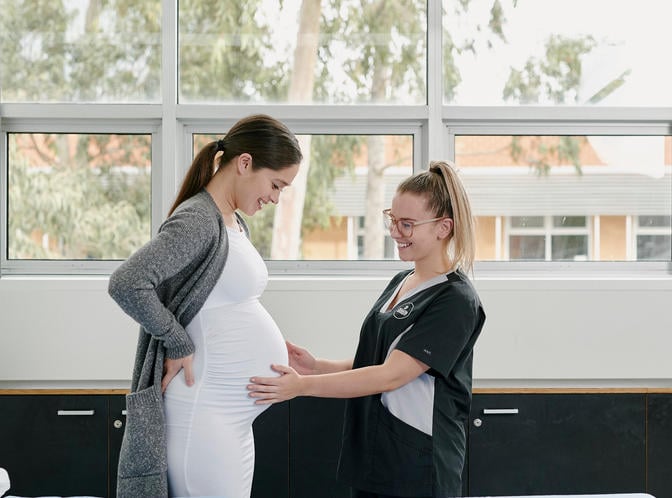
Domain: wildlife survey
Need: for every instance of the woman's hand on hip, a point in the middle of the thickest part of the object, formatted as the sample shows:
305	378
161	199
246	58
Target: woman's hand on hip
172	367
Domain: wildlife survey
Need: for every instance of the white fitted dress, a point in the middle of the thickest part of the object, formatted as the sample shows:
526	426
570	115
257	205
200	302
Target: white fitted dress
209	425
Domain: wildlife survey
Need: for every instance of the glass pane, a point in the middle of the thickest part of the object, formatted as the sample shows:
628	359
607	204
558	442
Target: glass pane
654	247
80	51
527	247
569	248
556	52
78	196
654	221
576	183
349	180
269	51
527	221
569	221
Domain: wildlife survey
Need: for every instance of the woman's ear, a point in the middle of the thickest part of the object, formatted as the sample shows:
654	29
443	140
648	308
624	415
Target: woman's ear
244	163
445	228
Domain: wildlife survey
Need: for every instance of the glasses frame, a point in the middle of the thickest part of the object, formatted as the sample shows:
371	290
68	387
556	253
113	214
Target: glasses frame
390	221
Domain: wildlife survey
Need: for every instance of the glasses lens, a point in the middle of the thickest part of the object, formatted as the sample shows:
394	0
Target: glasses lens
387	220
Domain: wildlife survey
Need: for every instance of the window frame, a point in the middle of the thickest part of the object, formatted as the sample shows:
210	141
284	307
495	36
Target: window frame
638	230
435	126
124	122
573	121
548	230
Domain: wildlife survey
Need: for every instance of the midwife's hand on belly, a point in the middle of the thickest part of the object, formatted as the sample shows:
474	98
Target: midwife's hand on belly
270	390
172	367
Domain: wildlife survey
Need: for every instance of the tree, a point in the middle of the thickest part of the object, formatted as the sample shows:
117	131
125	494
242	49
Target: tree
288	224
556	78
47	214
110	51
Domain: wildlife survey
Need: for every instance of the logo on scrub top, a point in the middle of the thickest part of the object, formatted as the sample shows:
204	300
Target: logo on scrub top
403	311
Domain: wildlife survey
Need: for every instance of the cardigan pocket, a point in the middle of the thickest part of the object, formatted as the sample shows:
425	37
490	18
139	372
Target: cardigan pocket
143	449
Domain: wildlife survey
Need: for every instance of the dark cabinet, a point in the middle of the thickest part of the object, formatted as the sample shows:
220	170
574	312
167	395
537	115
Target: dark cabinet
55	445
271	459
522	444
315	435
519	444
116	422
659	444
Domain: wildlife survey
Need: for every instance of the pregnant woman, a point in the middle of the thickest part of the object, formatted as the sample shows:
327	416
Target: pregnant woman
194	289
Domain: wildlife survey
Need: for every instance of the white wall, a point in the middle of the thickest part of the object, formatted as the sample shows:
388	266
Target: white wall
66	332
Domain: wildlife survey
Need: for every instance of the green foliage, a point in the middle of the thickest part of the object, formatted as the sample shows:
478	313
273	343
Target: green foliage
331	156
52	58
71	212
556	77
88	208
382	42
223	54
567	149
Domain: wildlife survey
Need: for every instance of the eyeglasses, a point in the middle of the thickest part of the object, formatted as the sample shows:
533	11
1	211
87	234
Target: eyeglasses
404	226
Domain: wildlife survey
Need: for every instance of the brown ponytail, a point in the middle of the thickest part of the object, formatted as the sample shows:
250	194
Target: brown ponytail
267	140
200	173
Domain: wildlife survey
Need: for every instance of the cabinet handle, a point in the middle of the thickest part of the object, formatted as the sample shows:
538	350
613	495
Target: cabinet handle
500	411
75	412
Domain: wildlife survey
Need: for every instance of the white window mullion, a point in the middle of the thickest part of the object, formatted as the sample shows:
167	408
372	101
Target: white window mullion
597	249
436	143
166	180
548	235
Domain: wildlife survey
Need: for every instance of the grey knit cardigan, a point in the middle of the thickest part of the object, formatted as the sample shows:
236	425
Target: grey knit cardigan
162	287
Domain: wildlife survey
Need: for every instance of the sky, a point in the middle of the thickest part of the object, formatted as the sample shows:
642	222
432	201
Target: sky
633	35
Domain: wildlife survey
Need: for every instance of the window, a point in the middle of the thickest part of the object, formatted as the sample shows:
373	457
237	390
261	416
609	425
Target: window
548	238
80	51
558	120
349	180
77	196
568	198
556	53
345	52
653	238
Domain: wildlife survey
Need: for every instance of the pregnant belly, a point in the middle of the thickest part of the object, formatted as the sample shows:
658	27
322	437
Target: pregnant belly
240	341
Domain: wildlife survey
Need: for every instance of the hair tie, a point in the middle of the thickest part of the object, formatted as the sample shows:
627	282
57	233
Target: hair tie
220	145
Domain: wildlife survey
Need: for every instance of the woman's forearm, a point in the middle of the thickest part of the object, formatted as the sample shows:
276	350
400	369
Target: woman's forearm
397	370
325	366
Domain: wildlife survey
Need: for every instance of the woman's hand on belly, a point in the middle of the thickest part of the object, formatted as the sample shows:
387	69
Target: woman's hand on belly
172	367
270	390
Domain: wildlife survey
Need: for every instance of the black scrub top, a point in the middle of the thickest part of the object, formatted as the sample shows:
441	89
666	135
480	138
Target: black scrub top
383	454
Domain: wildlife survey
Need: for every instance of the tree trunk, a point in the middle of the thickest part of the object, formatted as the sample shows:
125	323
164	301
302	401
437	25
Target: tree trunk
286	242
374	235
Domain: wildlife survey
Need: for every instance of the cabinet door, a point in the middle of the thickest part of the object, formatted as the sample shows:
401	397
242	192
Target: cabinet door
557	444
316	432
659	444
54	445
271	459
116	424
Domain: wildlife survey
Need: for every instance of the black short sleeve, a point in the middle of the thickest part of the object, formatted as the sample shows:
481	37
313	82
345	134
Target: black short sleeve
446	329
